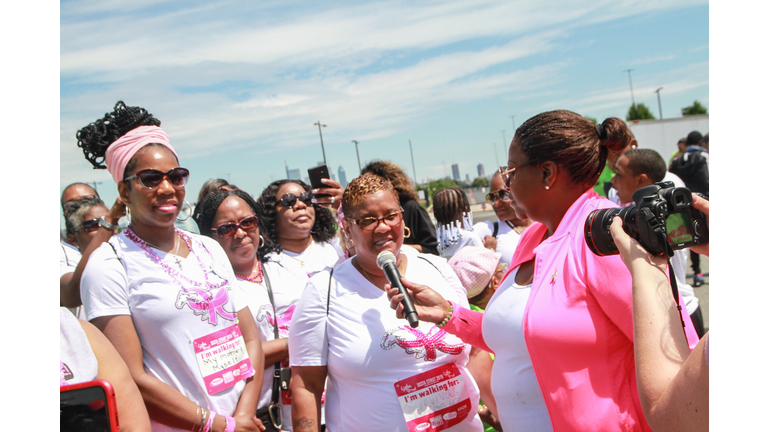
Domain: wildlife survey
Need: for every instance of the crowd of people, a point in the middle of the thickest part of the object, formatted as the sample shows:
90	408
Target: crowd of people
273	312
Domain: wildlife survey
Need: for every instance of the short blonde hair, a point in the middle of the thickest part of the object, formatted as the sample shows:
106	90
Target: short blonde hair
362	187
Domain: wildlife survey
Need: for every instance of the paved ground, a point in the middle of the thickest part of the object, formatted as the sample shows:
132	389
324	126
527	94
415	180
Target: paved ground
702	292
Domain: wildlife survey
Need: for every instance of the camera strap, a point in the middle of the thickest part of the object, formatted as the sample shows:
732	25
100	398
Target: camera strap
274	407
676	293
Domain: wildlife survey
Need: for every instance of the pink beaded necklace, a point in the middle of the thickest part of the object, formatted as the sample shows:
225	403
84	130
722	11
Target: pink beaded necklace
175	274
259	278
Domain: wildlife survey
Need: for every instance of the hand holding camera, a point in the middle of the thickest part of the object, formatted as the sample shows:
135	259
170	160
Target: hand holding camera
663	219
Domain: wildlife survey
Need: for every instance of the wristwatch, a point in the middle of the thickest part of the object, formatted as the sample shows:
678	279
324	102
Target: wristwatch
103	223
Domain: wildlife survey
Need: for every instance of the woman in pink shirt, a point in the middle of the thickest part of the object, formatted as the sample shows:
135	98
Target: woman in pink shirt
560	323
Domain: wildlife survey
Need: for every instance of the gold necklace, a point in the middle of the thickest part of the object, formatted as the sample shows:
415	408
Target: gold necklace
310	251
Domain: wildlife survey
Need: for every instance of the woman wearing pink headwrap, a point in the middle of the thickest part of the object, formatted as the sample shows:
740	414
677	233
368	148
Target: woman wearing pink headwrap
166	298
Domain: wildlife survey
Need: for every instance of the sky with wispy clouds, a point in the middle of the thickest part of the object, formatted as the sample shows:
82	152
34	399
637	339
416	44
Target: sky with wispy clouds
238	85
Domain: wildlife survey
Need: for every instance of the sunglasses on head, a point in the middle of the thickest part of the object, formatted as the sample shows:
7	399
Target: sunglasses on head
289	199
228	230
492	197
151	178
89	225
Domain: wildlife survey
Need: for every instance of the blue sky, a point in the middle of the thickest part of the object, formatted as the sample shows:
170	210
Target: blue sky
238	85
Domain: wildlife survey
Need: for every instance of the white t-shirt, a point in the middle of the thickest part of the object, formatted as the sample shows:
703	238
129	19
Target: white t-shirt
256	298
286	291
362	343
315	258
506	238
448	248
519	400
164	320
69	257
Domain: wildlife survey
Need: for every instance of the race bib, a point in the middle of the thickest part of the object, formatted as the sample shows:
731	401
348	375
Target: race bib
434	400
223	359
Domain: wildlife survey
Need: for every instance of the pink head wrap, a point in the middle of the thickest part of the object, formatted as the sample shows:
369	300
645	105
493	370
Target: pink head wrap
122	150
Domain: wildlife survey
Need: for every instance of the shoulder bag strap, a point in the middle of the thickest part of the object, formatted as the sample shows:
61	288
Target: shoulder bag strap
495	228
277	373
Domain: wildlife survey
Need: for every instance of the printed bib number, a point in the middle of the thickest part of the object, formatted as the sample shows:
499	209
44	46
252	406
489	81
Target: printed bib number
223	359
434	400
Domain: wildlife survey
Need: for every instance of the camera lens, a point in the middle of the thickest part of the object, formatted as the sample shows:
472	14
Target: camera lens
597	229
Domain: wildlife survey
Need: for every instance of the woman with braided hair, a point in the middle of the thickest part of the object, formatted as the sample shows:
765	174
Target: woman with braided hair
564	360
301	232
165	298
233	218
454	222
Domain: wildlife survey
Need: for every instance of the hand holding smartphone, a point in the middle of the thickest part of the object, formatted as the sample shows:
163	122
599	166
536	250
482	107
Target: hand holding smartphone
88	407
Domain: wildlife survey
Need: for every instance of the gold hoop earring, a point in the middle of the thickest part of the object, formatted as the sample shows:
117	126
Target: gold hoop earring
349	244
128	213
189	213
409	232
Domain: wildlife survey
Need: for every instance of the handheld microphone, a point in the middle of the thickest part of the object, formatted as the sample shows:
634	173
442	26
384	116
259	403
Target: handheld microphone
388	263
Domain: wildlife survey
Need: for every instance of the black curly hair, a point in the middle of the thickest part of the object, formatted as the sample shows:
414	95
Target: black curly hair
206	209
95	138
323	230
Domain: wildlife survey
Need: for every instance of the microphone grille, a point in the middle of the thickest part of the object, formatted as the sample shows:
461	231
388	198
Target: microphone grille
385	257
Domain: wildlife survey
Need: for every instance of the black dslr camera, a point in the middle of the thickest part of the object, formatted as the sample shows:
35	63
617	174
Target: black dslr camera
661	220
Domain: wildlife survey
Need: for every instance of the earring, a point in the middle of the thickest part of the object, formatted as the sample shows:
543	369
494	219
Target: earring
261	241
128	213
349	244
189	213
546	187
409	232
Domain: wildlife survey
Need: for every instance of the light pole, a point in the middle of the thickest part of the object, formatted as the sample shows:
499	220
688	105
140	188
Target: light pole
658	97
321	139
631	92
495	153
415	182
513	124
358	157
504	135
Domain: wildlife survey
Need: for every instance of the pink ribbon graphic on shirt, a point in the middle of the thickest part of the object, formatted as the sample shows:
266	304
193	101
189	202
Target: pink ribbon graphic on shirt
283	320
213	306
423	345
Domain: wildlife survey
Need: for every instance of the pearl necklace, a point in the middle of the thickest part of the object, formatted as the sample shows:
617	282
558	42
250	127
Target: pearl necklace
259	278
176	275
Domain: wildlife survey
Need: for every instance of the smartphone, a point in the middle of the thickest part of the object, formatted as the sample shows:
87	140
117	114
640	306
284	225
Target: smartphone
88	407
315	174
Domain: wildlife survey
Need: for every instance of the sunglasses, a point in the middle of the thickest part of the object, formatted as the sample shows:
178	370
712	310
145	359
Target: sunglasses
492	197
507	173
371	223
289	199
151	178
89	225
228	230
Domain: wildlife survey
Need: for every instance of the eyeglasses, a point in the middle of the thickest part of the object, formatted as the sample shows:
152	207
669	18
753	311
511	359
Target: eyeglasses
492	197
89	225
371	223
289	199
151	178
228	230
507	173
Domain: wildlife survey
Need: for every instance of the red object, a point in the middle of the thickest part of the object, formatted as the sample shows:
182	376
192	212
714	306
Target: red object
106	396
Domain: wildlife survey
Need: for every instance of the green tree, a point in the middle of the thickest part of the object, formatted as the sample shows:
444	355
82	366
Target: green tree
639	112
592	119
480	182
435	186
696	108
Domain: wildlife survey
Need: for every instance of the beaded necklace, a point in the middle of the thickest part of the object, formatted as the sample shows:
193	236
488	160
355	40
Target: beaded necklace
175	274
259	278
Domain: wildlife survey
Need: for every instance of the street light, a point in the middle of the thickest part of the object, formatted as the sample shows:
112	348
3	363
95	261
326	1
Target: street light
513	124
658	97
495	153
631	92
321	139
358	157
504	135
415	182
